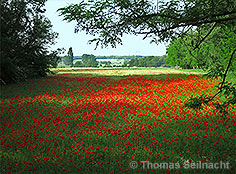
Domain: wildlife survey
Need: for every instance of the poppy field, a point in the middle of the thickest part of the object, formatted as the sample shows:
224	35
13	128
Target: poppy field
96	123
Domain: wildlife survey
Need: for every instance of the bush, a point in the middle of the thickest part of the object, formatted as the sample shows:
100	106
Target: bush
78	64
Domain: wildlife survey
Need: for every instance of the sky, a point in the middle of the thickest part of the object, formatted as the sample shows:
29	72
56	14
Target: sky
132	45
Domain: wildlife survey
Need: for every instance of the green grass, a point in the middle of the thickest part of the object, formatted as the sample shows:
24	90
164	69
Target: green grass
65	122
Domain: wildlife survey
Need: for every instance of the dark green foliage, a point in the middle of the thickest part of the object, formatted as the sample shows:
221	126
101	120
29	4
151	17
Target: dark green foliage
89	60
70	57
125	64
25	36
197	102
150	61
66	60
78	64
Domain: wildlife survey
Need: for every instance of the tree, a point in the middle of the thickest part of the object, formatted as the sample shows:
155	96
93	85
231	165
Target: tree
125	64
133	62
109	20
70	56
178	54
181	51
25	36
150	61
89	60
107	64
78	64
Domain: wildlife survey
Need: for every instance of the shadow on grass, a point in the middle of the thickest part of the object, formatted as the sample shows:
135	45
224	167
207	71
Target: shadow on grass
55	83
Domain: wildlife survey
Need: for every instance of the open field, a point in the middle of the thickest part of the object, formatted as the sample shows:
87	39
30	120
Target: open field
124	71
104	121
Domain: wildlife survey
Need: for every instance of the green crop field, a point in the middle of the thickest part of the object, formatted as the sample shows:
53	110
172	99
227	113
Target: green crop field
114	121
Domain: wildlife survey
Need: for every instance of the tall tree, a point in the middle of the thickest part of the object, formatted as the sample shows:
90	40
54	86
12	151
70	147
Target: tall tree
70	56
25	36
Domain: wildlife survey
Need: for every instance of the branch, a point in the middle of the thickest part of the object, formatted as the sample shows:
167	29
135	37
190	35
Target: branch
203	39
190	50
160	15
220	15
181	20
224	77
192	22
227	69
197	102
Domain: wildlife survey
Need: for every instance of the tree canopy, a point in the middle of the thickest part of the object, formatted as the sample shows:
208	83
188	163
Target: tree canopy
89	60
70	56
109	20
150	61
214	52
25	38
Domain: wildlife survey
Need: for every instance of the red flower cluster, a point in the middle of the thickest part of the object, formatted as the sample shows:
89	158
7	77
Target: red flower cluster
77	124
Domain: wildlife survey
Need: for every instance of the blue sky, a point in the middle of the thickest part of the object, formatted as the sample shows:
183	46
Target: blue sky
132	45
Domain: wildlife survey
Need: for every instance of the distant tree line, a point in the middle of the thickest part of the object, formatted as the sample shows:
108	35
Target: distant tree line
87	60
118	57
150	61
67	59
